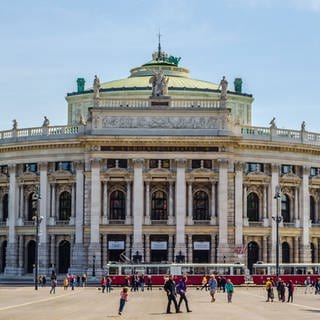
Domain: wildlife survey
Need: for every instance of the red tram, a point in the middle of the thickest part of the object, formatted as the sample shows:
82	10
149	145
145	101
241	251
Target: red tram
194	271
297	272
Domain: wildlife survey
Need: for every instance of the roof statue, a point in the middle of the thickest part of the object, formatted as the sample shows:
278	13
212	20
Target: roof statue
159	84
80	84
96	87
82	121
273	123
223	86
46	122
303	126
14	124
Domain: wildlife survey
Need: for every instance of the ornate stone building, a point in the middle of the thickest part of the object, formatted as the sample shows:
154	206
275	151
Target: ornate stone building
156	167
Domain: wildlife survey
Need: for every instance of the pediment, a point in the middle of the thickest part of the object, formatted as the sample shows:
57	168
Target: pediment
315	179
27	176
3	177
59	174
159	171
117	171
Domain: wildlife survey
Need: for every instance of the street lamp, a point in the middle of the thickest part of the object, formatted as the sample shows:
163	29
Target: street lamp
37	220
277	219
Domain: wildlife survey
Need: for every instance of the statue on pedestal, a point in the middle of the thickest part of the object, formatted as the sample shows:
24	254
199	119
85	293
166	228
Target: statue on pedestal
46	122
273	123
14	124
303	126
224	88
96	87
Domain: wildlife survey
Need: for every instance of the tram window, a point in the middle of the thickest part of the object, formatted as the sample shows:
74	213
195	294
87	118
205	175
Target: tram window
113	270
127	271
199	270
164	270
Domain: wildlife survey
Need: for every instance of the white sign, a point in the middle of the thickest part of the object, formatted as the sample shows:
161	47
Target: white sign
116	245
201	245
158	245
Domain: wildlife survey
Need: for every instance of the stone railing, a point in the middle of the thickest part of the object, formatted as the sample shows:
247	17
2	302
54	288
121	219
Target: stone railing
280	135
41	132
144	103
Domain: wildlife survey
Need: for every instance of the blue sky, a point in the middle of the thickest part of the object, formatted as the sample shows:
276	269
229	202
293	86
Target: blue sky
273	45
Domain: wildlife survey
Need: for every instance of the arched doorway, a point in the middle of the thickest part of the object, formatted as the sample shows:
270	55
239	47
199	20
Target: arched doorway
31	256
253	254
64	256
285	252
253	207
3	255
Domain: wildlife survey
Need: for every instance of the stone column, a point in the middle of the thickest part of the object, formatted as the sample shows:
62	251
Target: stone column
21	202
190	249
265	219
105	219
170	218
305	206
180	207
21	260
265	249
296	250
53	203
11	253
213	219
170	248
244	209
213	248
274	207
104	250
78	255
238	204
73	203
128	247
223	247
296	208
147	248
137	206
190	201
94	247
43	207
53	252
147	204
128	204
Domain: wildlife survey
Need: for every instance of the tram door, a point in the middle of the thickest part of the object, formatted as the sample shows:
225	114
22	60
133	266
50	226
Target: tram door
201	251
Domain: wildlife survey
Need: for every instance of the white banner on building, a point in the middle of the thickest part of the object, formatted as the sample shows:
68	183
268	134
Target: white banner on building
158	245
201	245
116	245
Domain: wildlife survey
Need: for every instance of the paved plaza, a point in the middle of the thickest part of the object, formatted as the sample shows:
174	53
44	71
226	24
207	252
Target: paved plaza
89	303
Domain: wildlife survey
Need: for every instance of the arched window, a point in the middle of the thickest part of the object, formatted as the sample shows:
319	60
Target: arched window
312	210
31	253
201	206
117	205
65	206
253	207
5	207
32	206
285	208
285	252
253	254
159	206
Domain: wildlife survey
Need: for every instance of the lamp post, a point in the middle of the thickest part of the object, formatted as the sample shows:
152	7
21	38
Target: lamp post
37	220
277	219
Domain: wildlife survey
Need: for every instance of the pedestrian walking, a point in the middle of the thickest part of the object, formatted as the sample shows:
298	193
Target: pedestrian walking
204	283
229	288
53	286
212	287
141	282
84	280
181	290
65	283
282	291
108	284
149	282
123	299
290	291
103	284
170	289
270	295
308	286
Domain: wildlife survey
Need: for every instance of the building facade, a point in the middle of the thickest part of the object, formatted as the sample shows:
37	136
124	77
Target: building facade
157	167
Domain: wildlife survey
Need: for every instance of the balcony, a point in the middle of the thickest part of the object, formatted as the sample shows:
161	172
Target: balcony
201	222
255	224
116	221
159	222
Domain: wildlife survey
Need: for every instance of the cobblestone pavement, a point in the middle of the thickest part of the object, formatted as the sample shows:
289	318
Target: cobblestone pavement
89	303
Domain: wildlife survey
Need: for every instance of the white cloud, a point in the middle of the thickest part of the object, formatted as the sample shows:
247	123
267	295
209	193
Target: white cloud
311	5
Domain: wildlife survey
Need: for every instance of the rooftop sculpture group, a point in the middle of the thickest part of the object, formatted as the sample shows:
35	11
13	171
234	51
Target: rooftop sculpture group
159	84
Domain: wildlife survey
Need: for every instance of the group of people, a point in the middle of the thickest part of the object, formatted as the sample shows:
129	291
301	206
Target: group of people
137	282
281	287
69	280
106	284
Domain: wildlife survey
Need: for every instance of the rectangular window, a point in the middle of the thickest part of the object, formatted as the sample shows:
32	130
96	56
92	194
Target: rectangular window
287	168
207	164
196	164
153	163
4	169
254	167
31	167
111	163
314	171
63	165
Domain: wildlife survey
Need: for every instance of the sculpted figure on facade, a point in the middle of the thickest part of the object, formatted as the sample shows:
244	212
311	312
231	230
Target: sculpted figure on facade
223	86
96	87
303	126
14	124
159	84
46	122
273	123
